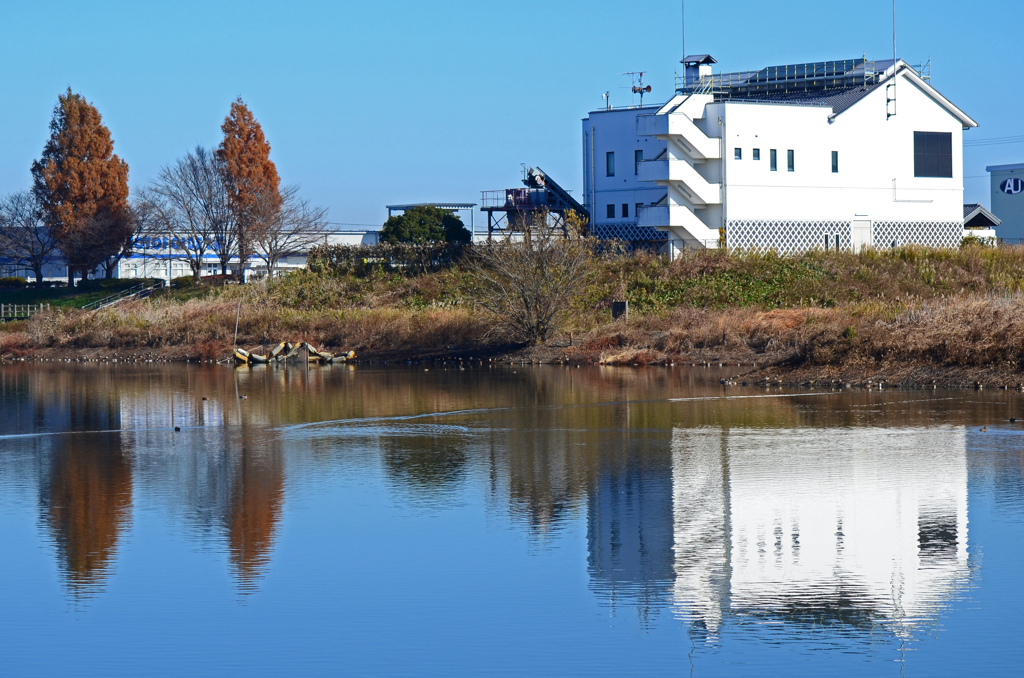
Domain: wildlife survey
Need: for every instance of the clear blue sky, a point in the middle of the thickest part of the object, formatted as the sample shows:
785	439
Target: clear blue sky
372	103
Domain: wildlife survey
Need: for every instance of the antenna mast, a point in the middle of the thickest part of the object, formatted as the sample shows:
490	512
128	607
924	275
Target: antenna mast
637	84
682	20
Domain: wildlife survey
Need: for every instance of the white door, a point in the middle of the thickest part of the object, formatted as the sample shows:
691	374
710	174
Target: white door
860	235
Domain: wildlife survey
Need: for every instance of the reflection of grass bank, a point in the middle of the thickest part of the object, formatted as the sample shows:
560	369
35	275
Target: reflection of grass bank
909	307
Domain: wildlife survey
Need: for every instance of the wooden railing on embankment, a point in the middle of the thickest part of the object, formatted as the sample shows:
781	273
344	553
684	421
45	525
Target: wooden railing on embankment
11	312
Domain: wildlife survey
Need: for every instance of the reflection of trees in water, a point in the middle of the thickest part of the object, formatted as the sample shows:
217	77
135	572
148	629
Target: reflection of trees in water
87	501
86	490
425	464
557	441
228	484
257	496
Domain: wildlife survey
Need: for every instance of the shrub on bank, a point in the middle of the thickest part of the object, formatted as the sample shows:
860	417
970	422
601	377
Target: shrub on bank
405	258
13	283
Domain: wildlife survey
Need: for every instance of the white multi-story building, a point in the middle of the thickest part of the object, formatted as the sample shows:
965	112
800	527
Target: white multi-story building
829	154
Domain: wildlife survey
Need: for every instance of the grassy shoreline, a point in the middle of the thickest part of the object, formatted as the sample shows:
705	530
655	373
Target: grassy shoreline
911	317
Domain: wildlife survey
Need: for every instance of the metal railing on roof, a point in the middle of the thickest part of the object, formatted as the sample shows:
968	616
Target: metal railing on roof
795	78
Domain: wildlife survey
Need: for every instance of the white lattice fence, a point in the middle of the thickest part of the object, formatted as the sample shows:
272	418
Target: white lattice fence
800	236
628	232
929	233
786	236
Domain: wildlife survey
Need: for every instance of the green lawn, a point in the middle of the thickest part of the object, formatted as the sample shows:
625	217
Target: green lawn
67	297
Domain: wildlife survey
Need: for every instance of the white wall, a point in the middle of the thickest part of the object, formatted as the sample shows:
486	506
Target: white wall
873	152
1008	206
615	130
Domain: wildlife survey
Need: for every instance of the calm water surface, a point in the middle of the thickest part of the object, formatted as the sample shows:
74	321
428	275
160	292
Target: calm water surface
545	520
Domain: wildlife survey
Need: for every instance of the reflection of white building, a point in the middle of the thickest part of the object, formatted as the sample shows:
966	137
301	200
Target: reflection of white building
847	524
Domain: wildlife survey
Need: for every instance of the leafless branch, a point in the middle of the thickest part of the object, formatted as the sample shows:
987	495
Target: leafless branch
25	240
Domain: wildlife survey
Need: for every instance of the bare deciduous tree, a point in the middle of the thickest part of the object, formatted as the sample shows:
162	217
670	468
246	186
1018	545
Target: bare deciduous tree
530	284
294	227
25	239
190	203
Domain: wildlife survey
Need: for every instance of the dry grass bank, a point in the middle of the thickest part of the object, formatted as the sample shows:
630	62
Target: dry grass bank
908	312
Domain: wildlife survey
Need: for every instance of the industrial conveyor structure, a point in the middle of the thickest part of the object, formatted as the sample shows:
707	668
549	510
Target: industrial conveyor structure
509	210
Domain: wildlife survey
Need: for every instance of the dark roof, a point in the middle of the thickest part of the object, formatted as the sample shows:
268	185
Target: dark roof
699	59
976	216
838	99
836	84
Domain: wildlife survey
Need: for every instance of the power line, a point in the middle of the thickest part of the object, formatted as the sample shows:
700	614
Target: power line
995	141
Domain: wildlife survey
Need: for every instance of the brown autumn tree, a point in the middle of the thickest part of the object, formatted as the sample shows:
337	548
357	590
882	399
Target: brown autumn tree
251	178
82	186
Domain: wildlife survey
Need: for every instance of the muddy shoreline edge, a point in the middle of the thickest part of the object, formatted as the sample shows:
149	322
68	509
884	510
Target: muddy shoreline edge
780	369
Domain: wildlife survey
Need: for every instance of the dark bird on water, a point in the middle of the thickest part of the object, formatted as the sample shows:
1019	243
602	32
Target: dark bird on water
176	428
1013	420
984	429
242	397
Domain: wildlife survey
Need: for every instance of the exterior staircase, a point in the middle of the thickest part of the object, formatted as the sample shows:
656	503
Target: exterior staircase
689	151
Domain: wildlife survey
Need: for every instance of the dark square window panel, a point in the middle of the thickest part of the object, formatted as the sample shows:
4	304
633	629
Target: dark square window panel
933	154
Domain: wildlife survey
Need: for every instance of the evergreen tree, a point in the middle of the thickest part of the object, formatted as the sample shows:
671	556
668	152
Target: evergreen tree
423	225
82	186
250	177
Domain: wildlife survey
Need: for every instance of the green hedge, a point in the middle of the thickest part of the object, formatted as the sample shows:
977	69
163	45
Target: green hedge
12	283
406	258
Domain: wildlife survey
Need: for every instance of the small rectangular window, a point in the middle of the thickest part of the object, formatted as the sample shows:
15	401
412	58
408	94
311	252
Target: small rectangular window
610	212
625	210
757	154
789	160
737	153
835	162
773	160
638	157
609	164
933	154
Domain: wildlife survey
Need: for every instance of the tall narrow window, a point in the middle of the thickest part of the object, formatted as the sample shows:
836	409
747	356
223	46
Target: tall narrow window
790	166
610	211
737	153
638	157
756	154
609	164
625	210
773	160
933	154
835	162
